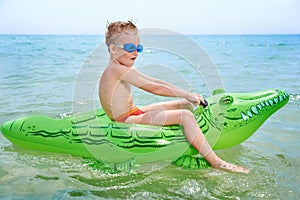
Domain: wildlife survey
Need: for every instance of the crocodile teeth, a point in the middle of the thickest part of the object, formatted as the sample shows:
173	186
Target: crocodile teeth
259	106
245	117
267	103
249	113
254	110
285	95
271	102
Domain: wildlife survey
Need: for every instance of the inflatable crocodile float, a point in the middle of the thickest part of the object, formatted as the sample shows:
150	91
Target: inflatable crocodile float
228	120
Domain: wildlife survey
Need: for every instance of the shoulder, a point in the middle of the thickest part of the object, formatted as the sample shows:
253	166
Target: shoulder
117	68
122	70
127	74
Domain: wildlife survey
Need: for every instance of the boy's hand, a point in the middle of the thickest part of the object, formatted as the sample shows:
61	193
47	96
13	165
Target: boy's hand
195	99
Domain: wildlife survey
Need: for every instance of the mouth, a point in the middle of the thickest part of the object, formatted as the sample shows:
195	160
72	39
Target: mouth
263	106
133	58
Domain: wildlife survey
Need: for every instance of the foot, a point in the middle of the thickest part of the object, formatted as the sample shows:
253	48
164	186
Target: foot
233	168
218	163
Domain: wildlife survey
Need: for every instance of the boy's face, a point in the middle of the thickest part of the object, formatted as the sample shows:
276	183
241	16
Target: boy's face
123	57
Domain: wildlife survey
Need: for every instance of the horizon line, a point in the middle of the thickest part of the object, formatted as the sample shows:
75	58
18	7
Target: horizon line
96	34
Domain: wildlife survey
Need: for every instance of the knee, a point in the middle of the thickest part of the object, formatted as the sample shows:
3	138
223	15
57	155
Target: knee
187	115
185	104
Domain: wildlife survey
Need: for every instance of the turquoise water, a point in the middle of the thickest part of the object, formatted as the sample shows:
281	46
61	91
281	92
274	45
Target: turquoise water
51	75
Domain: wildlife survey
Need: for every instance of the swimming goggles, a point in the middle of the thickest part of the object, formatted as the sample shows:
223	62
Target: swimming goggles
130	47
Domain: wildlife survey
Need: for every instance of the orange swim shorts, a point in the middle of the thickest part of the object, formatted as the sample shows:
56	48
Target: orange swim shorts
133	112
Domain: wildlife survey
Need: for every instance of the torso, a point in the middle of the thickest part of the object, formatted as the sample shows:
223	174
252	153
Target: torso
113	93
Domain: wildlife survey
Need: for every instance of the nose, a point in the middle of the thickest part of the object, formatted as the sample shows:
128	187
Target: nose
135	53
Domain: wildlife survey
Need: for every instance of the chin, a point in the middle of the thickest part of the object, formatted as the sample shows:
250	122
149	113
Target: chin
130	64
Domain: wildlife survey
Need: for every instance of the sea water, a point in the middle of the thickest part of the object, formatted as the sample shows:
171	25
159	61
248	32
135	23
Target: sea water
58	75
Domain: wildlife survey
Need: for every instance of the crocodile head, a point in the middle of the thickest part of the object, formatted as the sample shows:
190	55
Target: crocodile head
231	118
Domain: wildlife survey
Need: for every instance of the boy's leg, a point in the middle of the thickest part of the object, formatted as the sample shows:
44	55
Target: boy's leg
191	130
168	105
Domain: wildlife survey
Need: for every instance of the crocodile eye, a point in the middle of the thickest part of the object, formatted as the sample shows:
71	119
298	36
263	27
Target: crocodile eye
226	100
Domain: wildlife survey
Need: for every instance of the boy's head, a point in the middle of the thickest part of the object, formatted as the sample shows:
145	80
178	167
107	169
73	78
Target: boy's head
116	29
123	42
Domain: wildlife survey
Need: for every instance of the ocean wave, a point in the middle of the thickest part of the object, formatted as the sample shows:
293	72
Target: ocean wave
295	99
267	45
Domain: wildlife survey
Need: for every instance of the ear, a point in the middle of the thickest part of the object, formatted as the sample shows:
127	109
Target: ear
111	49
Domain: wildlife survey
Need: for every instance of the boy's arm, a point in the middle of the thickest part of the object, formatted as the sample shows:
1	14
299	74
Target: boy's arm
192	97
150	84
157	87
158	81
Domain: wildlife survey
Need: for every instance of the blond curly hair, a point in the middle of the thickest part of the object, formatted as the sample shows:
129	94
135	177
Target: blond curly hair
115	29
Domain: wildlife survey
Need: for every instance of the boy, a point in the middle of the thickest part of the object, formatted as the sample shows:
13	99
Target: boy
122	39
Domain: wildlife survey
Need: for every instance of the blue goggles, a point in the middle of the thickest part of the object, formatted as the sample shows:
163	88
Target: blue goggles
130	47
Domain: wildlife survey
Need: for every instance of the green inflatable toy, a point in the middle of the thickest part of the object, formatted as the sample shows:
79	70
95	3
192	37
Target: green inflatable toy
228	120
